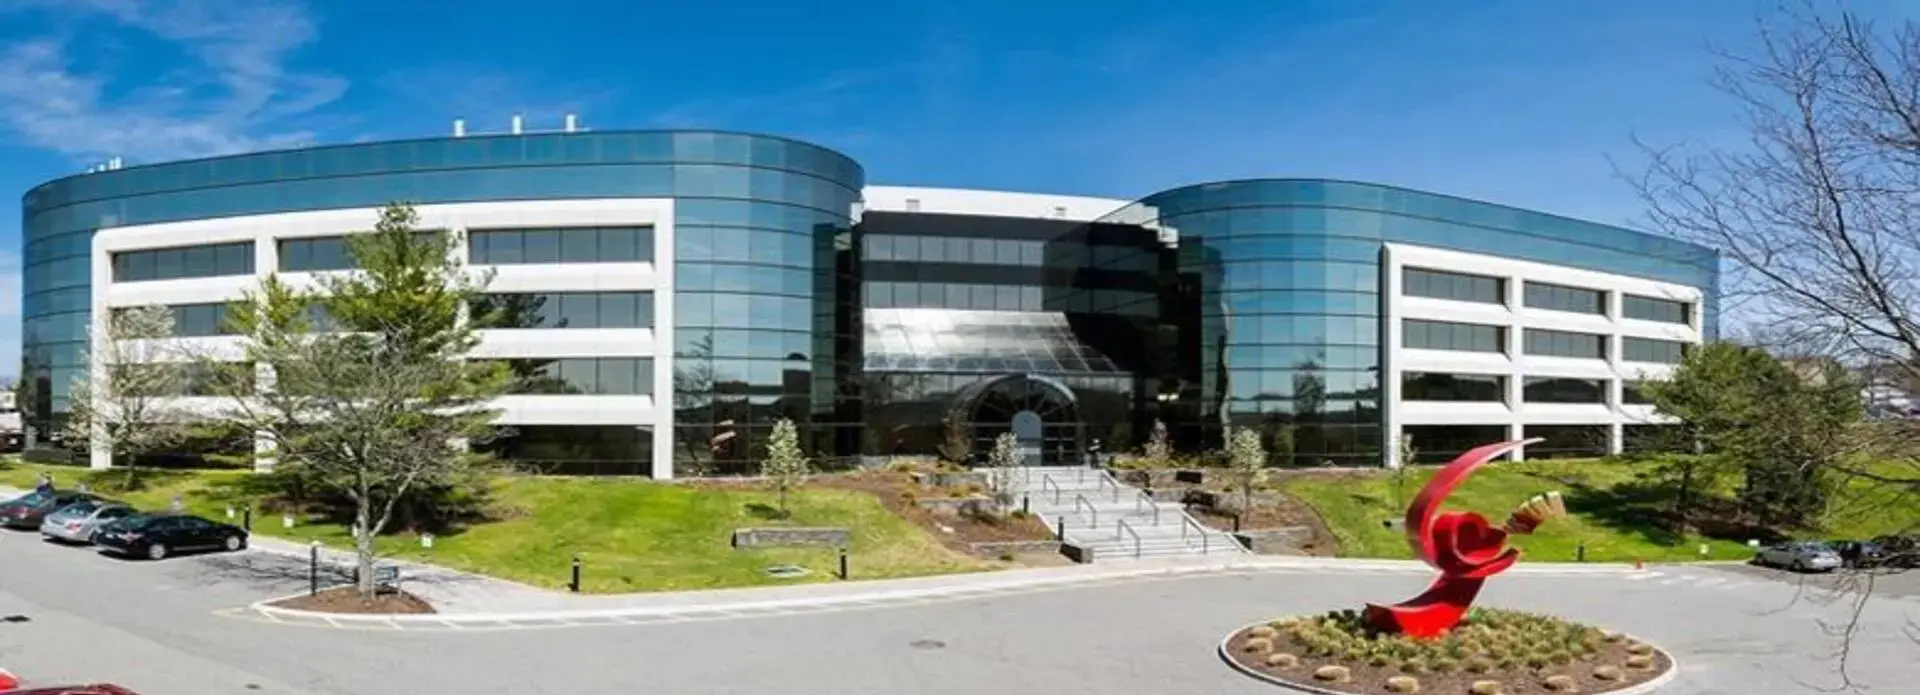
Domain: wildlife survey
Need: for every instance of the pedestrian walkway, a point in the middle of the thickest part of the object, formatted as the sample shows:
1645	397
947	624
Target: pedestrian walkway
447	589
518	607
469	601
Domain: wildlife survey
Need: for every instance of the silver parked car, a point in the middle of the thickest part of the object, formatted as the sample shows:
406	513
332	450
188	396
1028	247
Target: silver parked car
76	523
1800	556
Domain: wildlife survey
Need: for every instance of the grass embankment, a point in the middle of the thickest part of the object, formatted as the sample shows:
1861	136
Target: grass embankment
631	535
1615	509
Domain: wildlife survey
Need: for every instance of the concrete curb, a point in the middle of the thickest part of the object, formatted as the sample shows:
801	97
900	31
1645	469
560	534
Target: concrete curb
1226	654
877	592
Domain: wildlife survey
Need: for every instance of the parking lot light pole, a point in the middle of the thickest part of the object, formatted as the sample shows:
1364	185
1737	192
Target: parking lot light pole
313	569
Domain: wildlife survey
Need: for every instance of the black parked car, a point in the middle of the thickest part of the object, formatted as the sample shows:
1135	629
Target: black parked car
1859	554
155	536
27	511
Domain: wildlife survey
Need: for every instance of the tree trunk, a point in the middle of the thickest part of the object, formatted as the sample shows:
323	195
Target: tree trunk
363	545
1683	501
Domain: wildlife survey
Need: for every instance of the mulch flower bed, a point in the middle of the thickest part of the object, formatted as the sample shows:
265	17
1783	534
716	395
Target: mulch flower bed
347	599
1498	651
898	492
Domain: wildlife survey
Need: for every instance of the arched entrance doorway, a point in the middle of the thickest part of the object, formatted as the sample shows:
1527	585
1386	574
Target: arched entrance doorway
1042	414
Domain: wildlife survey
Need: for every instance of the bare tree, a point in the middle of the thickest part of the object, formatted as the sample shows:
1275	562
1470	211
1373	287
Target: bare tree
956	443
785	466
1159	449
124	402
1404	454
1246	462
1002	484
1817	213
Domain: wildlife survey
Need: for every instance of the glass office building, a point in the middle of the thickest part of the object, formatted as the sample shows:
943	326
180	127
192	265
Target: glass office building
777	283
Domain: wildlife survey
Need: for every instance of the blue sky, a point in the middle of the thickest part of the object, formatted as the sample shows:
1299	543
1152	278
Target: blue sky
1515	101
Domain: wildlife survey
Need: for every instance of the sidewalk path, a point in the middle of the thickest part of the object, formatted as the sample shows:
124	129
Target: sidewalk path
467	599
484	604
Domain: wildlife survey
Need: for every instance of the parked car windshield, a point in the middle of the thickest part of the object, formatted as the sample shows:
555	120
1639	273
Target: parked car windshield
32	499
138	521
81	508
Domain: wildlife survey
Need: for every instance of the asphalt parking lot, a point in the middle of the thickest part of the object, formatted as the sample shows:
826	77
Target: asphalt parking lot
153	626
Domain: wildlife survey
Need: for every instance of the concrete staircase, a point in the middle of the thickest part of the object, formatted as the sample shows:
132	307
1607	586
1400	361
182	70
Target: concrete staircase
1115	520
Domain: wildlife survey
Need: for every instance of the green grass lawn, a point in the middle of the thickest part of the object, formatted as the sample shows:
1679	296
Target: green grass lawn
1610	510
631	535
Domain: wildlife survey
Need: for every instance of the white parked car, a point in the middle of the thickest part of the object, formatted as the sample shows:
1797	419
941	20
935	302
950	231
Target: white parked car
77	522
1800	556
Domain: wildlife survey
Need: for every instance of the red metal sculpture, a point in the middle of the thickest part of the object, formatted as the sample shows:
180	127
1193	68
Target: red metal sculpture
1462	545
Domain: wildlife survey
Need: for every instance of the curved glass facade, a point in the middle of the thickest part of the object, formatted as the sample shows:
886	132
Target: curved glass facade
760	223
1283	282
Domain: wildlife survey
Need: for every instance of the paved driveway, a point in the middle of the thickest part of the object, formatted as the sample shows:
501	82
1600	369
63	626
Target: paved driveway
152	626
1903	583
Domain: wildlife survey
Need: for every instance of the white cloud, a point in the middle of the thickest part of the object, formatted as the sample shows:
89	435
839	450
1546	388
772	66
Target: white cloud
236	94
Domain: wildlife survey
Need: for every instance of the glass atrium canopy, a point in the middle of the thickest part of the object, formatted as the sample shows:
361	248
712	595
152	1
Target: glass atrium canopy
955	340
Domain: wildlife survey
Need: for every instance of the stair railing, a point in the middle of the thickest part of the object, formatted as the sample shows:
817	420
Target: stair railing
1188	522
1046	481
1123	526
1145	499
1107	481
1093	515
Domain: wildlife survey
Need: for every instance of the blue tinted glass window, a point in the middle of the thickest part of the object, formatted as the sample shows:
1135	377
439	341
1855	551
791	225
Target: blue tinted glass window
565	245
1564	390
1447	335
1463	388
567	310
1633	393
1542	295
1651	350
579	246
211	260
1652	309
542	246
1438	284
1564	344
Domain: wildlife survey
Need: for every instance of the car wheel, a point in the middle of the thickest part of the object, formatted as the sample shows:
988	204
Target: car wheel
235	544
157	551
1799	566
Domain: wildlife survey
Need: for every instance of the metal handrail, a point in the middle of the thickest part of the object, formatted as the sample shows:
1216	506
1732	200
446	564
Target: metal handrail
1108	481
1124	526
1045	480
1205	544
1144	498
1093	515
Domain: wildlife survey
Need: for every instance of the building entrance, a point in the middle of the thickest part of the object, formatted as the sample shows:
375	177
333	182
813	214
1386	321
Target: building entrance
1041	413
